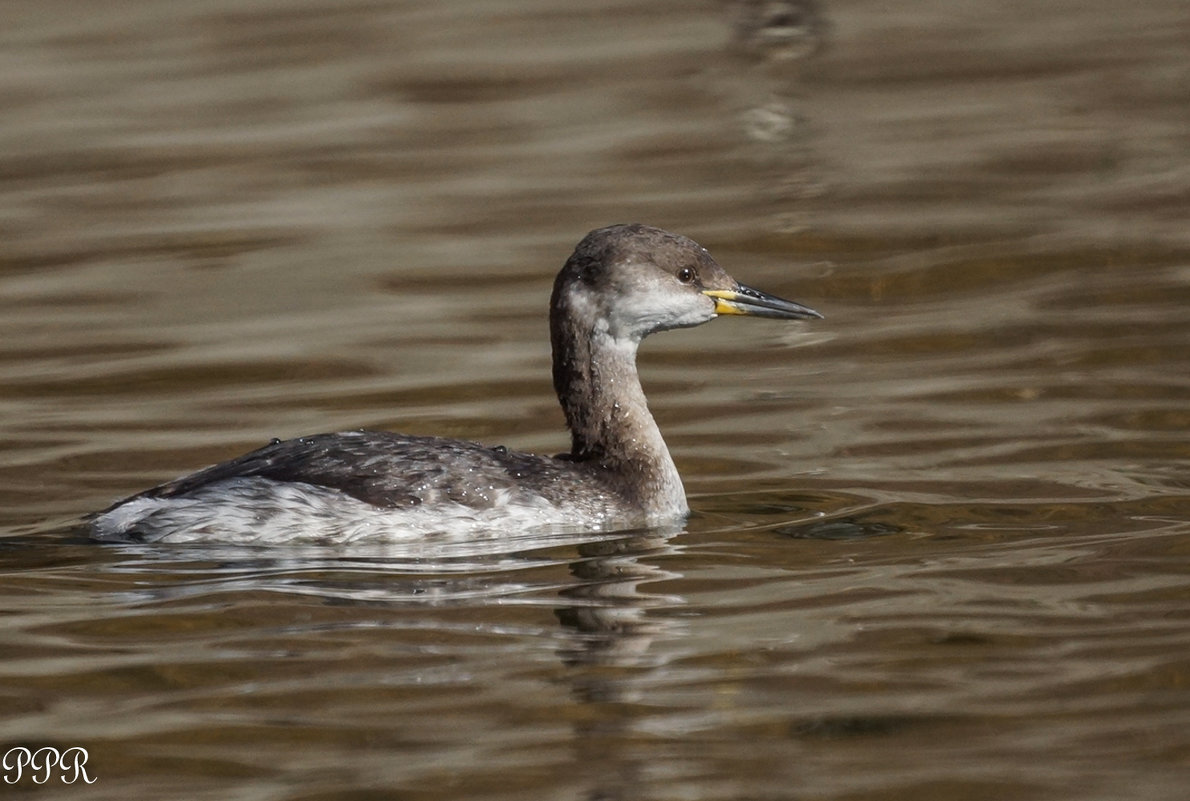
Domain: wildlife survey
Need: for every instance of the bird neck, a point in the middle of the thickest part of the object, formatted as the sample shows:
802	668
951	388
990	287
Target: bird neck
610	424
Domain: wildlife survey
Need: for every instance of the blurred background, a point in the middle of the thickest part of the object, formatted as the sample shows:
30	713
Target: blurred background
939	543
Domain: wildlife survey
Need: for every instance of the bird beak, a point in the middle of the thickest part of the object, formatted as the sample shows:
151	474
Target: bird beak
746	300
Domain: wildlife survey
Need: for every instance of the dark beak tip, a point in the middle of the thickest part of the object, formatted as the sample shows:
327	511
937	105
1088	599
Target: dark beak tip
761	301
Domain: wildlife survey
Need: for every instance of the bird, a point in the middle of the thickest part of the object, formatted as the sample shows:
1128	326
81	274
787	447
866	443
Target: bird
622	283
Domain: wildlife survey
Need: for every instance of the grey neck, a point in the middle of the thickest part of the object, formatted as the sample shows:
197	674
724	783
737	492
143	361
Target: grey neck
610	424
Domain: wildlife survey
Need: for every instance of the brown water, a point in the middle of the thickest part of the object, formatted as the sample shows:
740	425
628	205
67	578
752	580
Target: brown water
941	541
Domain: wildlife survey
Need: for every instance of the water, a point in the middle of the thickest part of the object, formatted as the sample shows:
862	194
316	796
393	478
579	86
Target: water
940	539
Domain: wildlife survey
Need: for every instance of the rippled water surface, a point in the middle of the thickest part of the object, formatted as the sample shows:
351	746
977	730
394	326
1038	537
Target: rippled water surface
941	539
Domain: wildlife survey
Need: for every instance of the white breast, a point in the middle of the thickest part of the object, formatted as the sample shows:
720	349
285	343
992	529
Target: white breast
256	510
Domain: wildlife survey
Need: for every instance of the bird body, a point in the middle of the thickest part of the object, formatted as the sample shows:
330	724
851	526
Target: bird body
621	284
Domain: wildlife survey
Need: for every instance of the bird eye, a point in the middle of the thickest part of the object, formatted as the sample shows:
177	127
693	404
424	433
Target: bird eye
687	275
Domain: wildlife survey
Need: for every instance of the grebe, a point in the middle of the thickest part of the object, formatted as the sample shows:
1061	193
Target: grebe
621	284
